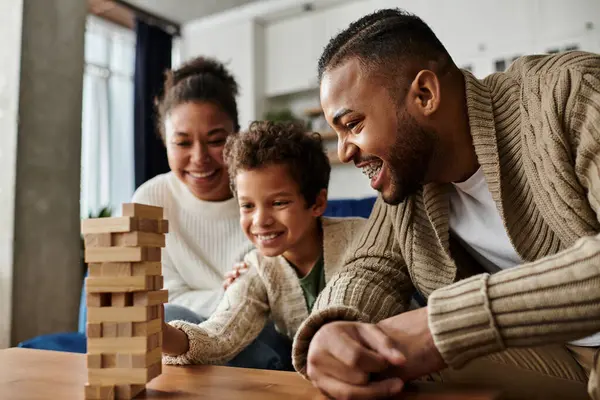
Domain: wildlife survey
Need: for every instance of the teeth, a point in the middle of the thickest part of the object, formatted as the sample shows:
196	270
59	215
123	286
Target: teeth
267	237
201	174
372	169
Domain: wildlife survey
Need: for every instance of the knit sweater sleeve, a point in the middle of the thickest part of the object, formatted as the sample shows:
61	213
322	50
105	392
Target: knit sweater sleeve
374	269
556	298
236	322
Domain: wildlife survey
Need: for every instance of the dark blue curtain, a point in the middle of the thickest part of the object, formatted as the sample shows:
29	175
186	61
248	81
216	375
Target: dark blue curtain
152	59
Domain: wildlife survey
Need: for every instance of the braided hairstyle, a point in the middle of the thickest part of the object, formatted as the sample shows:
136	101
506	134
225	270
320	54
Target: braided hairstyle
200	79
384	41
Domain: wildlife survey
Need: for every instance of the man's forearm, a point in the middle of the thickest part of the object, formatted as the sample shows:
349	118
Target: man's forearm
552	300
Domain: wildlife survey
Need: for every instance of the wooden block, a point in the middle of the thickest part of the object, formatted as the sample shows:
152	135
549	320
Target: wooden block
132	345
147	328
120	376
97	392
142	211
138	239
151	358
158	282
127	392
94	360
163	226
109	360
115	269
146	268
126	360
122	224
109	329
154	341
108	225
121	314
95	269
161	312
125	329
94	330
97	240
119	254
154	371
119	284
97	299
150	298
153	312
148	225
124	299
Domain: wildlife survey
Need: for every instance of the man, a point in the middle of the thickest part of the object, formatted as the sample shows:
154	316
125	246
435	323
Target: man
493	214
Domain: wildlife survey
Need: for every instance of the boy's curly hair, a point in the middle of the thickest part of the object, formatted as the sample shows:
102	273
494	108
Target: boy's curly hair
287	143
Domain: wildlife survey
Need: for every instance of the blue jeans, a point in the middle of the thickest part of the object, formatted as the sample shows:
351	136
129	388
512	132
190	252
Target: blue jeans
270	350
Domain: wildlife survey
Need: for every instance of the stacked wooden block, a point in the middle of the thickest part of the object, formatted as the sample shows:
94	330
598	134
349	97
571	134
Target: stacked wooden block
124	301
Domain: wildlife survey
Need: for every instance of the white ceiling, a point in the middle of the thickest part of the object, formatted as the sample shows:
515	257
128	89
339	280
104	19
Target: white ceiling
182	11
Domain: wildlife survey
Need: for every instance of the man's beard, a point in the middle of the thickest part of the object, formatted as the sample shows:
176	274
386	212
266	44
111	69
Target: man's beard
409	159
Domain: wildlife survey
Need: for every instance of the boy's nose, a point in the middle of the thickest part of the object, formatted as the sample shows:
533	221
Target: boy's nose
262	218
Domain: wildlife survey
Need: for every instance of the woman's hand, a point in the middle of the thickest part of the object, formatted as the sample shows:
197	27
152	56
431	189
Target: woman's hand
231	276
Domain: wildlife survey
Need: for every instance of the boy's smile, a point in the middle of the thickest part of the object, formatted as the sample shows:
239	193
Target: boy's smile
274	214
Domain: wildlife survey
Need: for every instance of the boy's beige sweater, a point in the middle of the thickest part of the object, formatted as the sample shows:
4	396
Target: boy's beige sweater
270	287
536	132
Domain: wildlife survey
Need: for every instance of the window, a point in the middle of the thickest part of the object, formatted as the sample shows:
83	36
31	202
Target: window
107	155
500	65
569	47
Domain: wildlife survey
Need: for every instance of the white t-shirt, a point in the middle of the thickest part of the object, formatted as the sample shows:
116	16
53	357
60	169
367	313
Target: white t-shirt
204	241
476	222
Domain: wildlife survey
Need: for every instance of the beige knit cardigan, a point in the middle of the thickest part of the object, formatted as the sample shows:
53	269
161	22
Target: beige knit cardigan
270	287
536	132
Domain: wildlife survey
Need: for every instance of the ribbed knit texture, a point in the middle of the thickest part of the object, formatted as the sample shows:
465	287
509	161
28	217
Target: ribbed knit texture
269	287
536	132
203	243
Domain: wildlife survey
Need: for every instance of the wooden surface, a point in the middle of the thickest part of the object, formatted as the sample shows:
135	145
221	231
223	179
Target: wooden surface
36	374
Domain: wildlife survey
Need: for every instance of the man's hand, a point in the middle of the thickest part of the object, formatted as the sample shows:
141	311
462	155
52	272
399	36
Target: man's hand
343	355
237	270
411	335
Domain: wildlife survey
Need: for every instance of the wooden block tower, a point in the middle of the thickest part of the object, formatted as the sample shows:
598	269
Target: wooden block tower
124	301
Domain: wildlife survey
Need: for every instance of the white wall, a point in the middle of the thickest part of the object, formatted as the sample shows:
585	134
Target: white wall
232	43
279	64
10	56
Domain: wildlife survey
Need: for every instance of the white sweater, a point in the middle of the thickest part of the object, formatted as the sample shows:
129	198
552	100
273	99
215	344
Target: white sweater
203	243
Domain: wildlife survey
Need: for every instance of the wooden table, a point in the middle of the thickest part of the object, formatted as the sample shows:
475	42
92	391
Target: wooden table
37	374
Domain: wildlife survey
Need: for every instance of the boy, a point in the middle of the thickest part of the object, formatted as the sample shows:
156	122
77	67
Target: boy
280	175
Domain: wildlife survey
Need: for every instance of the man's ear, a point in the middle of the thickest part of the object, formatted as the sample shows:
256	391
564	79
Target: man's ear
320	203
424	94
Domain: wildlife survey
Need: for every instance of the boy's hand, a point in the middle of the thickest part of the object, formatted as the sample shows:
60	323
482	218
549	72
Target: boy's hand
175	341
231	276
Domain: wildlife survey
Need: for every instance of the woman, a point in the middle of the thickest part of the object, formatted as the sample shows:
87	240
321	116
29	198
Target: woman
197	112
